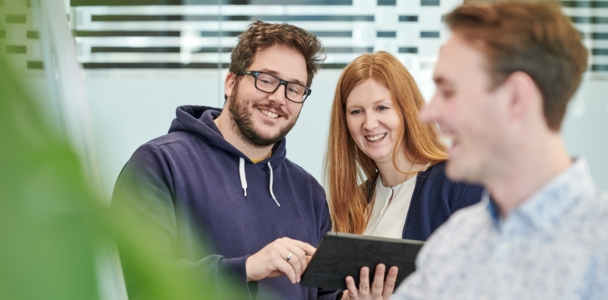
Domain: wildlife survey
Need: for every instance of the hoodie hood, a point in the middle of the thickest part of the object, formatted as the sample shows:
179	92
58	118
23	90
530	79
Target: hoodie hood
200	120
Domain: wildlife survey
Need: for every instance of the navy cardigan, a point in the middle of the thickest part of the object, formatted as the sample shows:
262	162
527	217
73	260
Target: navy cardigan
435	198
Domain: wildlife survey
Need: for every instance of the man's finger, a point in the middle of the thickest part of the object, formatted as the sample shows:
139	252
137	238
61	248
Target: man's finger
287	269
296	261
306	247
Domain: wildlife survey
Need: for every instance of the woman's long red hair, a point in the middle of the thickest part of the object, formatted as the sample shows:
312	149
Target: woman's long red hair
346	166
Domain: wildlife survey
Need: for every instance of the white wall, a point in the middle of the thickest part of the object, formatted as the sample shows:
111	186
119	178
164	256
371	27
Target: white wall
585	127
130	108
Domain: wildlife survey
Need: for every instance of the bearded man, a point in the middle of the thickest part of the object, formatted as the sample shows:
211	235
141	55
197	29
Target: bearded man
221	176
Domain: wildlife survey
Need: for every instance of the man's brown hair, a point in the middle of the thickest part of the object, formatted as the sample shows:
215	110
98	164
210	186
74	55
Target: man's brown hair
261	35
535	38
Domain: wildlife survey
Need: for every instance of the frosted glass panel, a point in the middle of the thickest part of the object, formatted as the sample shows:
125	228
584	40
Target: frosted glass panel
144	58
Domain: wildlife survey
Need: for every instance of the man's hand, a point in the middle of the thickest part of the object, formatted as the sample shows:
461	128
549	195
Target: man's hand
283	256
381	288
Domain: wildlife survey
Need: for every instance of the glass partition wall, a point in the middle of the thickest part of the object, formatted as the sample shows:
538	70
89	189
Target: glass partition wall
143	58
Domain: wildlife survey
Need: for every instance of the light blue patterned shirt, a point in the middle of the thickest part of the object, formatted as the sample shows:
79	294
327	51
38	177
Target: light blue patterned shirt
552	246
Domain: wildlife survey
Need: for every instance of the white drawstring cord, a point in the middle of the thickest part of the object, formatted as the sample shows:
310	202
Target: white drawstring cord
244	180
271	180
242	175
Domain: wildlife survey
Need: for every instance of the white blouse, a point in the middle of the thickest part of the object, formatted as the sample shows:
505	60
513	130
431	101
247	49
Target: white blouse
390	209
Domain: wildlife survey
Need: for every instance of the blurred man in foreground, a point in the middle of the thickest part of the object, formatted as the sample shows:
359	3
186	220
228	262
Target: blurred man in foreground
504	80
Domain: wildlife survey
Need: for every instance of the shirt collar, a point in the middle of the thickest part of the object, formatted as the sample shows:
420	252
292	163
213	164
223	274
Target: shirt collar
547	205
492	208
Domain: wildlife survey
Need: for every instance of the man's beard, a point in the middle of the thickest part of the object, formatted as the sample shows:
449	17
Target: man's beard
243	120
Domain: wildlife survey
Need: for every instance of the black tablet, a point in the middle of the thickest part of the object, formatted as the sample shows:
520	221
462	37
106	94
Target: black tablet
343	254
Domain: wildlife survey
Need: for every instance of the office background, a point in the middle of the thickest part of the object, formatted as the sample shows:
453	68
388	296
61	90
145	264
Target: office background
112	72
108	74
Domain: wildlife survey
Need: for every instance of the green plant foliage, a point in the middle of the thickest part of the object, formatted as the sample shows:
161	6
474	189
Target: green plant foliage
52	225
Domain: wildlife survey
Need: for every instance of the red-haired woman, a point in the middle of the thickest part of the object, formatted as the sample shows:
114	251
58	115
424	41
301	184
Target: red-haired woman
384	169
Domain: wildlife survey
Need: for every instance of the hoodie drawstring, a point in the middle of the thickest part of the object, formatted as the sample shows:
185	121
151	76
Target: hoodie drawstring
242	175
270	187
244	180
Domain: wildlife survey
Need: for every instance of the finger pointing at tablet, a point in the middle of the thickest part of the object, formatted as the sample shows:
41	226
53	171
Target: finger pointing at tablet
283	256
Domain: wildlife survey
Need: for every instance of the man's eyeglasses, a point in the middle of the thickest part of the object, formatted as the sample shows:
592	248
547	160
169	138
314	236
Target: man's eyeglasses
269	83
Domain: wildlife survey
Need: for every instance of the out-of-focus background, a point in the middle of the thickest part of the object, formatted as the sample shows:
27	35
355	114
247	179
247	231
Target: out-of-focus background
140	59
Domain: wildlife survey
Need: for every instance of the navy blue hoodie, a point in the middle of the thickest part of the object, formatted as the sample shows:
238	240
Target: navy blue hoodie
193	185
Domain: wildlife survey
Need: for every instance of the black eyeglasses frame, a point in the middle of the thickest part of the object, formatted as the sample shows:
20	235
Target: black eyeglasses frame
255	74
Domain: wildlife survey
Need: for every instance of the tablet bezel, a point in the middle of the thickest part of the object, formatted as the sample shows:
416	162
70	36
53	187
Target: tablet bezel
343	254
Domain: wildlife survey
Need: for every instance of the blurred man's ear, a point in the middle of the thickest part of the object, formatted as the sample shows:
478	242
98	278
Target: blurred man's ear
525	95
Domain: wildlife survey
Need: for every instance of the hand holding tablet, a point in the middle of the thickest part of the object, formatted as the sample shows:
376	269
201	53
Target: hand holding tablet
341	255
379	288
